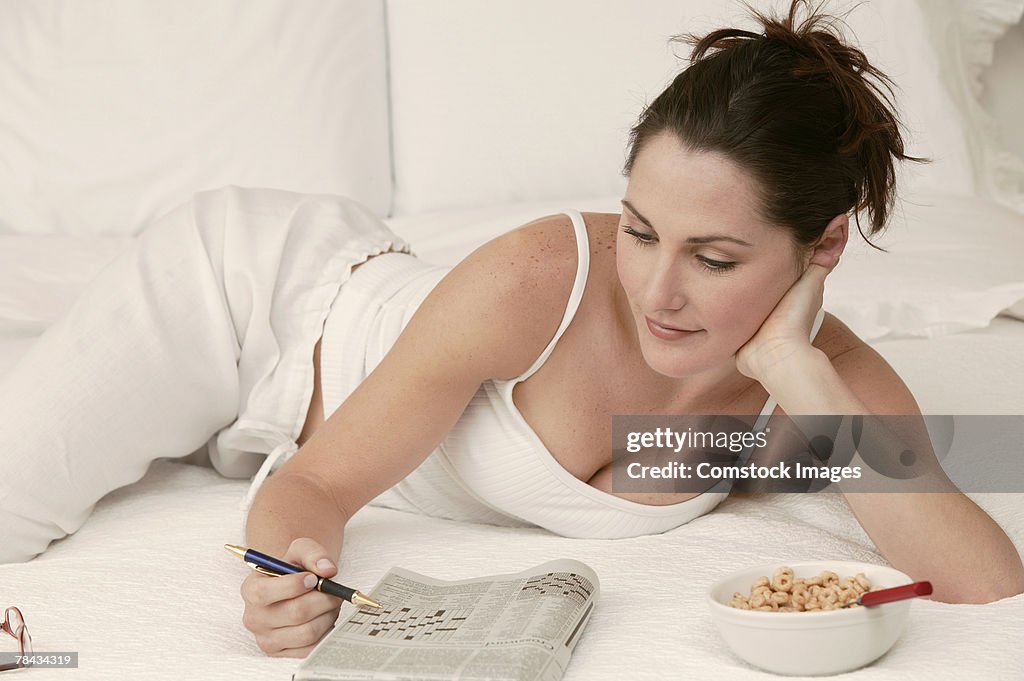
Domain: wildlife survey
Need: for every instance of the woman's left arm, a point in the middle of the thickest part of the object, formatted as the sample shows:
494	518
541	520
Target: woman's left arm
943	537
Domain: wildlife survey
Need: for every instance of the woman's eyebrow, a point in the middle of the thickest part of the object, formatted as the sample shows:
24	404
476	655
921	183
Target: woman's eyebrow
693	239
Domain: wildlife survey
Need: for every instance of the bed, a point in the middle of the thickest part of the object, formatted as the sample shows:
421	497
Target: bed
945	307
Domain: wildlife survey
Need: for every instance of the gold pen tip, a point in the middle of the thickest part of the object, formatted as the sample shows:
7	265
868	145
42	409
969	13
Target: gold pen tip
237	550
359	598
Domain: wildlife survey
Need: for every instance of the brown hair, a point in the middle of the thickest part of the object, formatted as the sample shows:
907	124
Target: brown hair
796	107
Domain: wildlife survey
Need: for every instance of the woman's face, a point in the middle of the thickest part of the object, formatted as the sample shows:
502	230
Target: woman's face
701	270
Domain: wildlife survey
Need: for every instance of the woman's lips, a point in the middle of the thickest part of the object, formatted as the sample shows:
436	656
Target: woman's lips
667	332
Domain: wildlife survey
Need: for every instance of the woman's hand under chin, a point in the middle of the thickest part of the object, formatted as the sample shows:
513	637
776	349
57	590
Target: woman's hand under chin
785	333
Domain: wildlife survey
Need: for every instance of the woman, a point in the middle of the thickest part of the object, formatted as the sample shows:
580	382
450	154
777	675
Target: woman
701	297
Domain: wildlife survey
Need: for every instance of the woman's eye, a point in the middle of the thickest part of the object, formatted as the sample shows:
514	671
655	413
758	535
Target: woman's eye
639	238
709	265
715	266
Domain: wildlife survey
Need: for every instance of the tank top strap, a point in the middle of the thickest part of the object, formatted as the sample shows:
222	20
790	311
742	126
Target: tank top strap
582	269
770	403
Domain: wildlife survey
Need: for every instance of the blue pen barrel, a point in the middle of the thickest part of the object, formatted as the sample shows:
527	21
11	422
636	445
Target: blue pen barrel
279	566
271	563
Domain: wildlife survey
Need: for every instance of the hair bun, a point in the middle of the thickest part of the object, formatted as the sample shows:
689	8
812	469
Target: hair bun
813	88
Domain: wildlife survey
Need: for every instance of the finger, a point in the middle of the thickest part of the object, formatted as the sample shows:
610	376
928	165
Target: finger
826	259
261	620
814	269
292	652
812	283
309	554
293	612
263	590
297	637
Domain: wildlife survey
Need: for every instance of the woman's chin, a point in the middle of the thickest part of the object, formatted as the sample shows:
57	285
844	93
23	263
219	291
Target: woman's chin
671	367
682	364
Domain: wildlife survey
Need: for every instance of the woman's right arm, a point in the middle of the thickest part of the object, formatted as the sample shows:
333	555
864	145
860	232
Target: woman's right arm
490	317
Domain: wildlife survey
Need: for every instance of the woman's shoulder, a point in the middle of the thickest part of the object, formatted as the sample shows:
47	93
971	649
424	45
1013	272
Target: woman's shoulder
538	257
864	370
835	338
511	292
544	251
555	235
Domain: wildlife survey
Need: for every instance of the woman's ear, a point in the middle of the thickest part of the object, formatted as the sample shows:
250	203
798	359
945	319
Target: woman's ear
830	246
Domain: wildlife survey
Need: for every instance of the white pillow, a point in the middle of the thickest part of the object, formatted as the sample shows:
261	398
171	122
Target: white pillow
527	100
114	112
967	32
953	264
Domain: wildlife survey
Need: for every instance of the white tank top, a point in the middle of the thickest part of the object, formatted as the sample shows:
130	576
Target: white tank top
491	467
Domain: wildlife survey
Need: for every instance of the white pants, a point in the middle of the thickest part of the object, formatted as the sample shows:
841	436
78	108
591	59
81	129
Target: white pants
200	334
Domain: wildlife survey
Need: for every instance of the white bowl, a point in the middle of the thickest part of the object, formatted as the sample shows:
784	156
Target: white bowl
810	643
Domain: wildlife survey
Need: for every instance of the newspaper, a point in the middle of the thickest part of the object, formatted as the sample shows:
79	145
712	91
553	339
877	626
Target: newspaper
519	627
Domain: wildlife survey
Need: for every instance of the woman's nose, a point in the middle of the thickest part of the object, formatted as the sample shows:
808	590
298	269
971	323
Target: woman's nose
665	287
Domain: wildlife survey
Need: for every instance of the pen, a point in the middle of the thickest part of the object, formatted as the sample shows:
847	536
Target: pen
275	567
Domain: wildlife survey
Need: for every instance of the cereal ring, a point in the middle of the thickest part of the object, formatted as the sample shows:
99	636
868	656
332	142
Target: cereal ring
863	581
783	582
780	598
761	581
830	577
758	601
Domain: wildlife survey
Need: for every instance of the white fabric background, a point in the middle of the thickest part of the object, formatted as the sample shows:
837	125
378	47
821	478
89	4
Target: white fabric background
116	111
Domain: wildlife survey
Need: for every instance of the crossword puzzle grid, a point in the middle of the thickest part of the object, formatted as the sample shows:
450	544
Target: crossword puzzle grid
565	583
408	624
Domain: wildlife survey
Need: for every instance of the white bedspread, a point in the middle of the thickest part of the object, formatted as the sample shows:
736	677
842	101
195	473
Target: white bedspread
146	591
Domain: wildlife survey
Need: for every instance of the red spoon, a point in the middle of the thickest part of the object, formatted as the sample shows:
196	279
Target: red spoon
896	593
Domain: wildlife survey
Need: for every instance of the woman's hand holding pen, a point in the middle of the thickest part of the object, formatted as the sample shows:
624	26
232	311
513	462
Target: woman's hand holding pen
286	614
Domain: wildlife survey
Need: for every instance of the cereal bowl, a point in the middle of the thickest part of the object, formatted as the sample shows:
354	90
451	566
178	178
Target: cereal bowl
810	643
